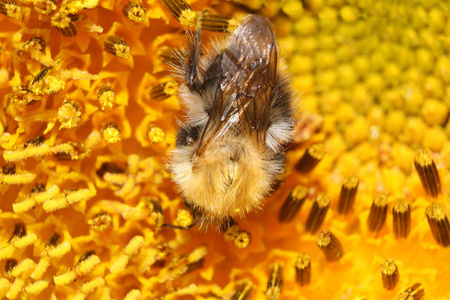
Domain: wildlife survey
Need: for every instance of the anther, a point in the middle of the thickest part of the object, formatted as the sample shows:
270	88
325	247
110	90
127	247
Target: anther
242	290
303	269
414	292
69	114
217	23
10	9
389	274
330	245
111	133
428	173
242	240
53	240
439	224
9	169
9	266
176	7
19	231
135	12
101	221
378	212
163	90
312	156
117	47
65	23
318	212
106	96
275	282
348	195
36	42
401	218
293	203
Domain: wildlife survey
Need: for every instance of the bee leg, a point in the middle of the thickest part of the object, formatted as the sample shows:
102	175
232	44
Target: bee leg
179	227
193	57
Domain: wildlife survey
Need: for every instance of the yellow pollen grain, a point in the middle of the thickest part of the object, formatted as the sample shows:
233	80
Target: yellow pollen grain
77	196
25	241
120	264
134	245
16	289
111	134
184	218
60	250
23	178
188	17
69	114
87	265
156	134
6	251
11	9
36	287
42	197
55	204
65	278
41	268
133	295
24	206
242	240
24	267
90	286
107	98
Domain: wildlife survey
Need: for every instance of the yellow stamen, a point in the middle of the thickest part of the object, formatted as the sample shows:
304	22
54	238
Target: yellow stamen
111	133
90	286
242	290
15	289
116	46
41	268
378	212
101	221
64	23
155	134
36	287
428	173
389	274
163	90
293	203
439	224
86	265
242	240
413	292
348	195
318	213
69	114
65	278
135	12
11	9
312	156
134	245
330	245
23	268
106	97
184	218
60	250
218	23
275	282
402	218
303	269
133	295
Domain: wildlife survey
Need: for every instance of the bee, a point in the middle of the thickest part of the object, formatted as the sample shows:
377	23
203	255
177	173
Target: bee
230	150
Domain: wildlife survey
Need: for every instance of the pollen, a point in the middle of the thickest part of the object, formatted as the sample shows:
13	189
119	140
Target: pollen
428	173
106	96
116	46
11	9
177	7
184	218
163	90
242	240
389	274
69	114
65	23
303	269
111	133
293	204
155	134
135	12
101	221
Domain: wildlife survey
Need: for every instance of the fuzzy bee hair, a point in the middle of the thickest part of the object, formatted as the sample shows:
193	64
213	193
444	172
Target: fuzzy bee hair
239	105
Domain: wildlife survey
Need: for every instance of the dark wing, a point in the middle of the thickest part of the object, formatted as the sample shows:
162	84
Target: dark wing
248	74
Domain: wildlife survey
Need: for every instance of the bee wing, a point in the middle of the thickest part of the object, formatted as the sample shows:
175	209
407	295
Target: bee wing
248	74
